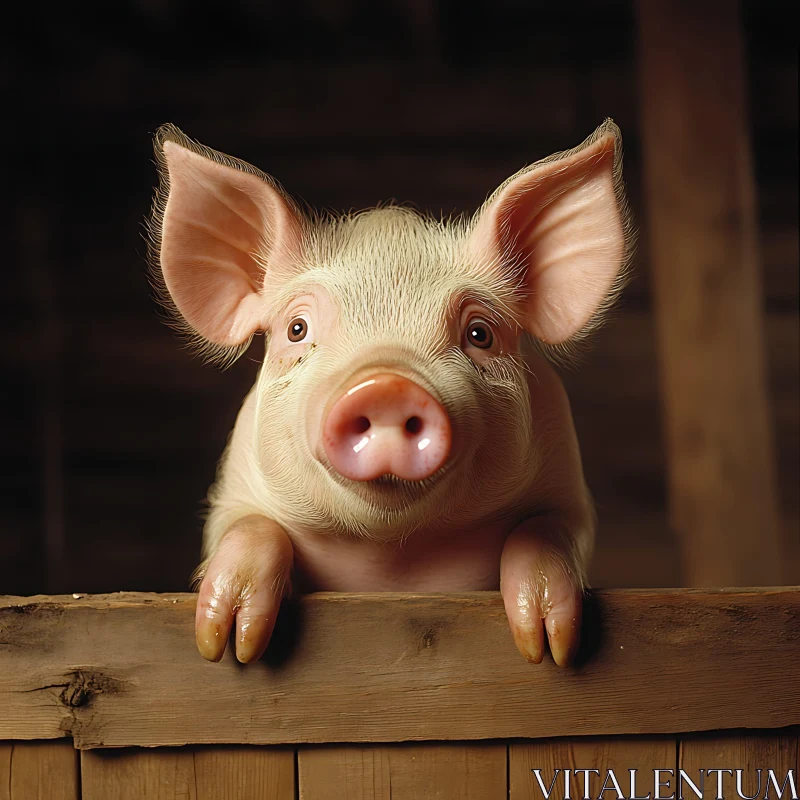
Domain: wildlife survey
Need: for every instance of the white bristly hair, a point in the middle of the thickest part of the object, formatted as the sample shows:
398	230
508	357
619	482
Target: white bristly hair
395	277
397	280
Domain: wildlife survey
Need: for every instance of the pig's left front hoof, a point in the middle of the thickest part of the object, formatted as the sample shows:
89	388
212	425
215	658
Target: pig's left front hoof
541	592
243	585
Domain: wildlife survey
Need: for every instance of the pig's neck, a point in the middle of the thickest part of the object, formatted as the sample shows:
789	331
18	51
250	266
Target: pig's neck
428	561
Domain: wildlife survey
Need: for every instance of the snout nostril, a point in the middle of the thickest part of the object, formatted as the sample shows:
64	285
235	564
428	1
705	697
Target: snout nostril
386	424
414	425
361	425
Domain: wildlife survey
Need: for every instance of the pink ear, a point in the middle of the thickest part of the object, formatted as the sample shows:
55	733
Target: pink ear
560	225
224	224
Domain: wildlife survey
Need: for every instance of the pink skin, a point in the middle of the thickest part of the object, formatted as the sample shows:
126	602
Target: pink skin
563	220
532	562
386	425
537	581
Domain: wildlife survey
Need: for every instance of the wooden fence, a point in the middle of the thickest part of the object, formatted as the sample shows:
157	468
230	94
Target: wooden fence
398	696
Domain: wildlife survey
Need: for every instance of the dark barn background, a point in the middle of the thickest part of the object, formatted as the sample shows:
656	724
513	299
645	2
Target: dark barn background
111	431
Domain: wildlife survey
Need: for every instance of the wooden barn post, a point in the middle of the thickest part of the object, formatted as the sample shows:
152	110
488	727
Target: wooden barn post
701	234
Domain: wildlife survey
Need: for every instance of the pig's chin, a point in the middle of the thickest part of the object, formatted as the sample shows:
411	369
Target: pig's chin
388	492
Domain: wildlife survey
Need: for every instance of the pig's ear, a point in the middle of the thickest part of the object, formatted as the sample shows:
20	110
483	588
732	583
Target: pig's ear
559	229
220	229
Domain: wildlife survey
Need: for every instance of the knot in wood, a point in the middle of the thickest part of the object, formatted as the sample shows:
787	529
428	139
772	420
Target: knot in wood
83	686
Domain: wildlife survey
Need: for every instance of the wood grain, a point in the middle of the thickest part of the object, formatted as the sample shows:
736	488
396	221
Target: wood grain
188	773
746	751
122	669
39	771
403	772
643	754
703	248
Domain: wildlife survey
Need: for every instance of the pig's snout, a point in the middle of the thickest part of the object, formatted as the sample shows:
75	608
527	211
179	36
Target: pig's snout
386	424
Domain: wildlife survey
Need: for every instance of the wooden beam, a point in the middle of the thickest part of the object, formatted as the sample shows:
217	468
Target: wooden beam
701	231
122	669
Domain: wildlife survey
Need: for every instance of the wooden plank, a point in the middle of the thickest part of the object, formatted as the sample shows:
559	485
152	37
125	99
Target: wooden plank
702	235
40	225
39	771
122	669
558	760
430	102
703	758
188	773
403	772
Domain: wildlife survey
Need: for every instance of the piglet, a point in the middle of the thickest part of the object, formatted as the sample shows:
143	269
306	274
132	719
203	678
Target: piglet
406	431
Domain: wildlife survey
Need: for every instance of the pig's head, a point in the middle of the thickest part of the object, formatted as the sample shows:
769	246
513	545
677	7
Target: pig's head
393	395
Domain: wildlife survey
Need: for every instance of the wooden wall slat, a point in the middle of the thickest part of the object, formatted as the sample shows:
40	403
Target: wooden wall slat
121	670
427	103
619	754
703	248
188	773
748	751
472	771
239	773
39	770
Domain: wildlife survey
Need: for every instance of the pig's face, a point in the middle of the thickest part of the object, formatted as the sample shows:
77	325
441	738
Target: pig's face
392	394
386	293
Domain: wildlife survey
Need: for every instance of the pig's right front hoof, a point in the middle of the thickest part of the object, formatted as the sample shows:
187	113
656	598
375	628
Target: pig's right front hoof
542	592
245	581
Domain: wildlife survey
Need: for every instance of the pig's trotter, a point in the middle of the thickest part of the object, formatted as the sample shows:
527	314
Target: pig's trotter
542	587
246	579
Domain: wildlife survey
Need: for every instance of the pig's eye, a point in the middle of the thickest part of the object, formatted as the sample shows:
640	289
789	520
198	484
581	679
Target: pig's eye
479	334
298	330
